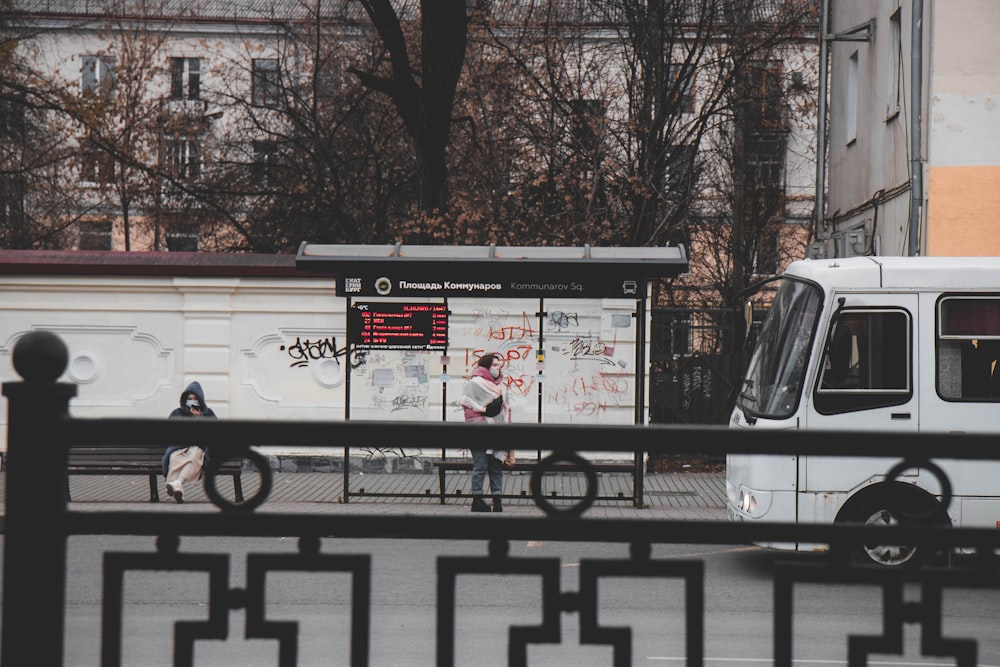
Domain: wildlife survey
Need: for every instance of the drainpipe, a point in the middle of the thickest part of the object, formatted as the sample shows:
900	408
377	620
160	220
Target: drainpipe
916	168
819	225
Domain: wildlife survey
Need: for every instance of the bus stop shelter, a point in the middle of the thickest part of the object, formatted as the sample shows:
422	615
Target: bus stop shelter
392	280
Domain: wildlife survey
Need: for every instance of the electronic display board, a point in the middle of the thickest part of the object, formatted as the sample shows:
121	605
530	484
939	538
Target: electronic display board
398	326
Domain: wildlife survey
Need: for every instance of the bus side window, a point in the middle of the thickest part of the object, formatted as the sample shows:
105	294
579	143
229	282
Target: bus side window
968	347
867	363
977	374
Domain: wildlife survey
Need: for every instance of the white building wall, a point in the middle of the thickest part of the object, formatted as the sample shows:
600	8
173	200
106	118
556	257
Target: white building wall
277	348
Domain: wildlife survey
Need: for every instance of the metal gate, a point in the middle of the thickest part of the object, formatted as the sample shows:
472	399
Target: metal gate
696	360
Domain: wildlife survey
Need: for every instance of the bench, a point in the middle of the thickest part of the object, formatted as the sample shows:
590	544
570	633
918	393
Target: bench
446	465
137	461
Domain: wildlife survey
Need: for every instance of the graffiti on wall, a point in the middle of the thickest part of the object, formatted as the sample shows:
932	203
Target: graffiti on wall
303	350
513	337
392	384
589	368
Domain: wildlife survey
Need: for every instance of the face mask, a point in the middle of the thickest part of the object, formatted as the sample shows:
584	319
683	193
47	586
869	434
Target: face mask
495	373
192	403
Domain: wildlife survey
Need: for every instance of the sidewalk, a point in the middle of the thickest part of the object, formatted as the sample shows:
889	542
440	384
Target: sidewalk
683	495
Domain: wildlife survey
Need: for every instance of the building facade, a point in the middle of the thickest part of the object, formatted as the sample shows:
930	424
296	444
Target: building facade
914	155
193	93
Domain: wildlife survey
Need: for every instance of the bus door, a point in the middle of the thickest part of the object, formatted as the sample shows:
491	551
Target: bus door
866	382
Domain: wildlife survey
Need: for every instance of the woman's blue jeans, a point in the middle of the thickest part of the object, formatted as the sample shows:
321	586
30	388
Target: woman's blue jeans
483	464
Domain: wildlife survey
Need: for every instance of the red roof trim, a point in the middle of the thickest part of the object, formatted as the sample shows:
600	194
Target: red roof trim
110	262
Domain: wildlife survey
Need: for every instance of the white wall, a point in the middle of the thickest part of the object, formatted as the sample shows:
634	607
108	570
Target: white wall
276	348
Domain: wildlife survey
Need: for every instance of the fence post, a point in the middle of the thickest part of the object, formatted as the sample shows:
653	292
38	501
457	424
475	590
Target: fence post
34	563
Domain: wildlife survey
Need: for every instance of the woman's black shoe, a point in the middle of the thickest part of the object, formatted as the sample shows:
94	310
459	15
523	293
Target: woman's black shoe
479	505
497	505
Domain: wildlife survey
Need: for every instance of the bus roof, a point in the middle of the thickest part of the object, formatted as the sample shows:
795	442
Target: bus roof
901	272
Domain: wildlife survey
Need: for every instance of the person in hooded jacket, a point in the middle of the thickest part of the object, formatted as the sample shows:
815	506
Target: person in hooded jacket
484	400
182	463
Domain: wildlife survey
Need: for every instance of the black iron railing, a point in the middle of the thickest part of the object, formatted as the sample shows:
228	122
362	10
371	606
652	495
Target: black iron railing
39	523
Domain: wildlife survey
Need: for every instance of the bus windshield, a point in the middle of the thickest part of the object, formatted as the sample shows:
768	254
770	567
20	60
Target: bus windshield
774	378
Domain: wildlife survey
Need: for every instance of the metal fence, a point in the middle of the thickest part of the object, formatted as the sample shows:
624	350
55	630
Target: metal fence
696	359
39	524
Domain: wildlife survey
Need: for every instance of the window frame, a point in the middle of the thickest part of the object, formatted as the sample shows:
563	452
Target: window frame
97	165
184	237
265	82
180	161
185	78
97	75
967	362
829	400
681	76
88	236
895	56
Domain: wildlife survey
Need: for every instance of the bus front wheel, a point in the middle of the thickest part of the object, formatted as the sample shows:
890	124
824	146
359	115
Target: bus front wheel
883	506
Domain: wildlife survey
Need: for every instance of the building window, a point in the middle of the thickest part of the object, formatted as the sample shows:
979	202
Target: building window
185	78
266	82
681	169
765	260
587	123
765	96
96	164
264	154
13	191
851	100
13	116
183	237
97	75
681	78
765	157
94	235
183	158
895	65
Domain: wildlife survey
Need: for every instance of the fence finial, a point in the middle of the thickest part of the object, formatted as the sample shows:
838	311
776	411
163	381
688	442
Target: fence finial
40	356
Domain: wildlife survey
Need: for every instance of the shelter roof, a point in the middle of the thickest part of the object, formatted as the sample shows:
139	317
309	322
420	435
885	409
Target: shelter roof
492	271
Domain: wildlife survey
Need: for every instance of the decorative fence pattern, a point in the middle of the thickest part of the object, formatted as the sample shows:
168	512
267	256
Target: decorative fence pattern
41	433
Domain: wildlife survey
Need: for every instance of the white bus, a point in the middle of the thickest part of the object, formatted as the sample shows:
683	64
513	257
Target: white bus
872	344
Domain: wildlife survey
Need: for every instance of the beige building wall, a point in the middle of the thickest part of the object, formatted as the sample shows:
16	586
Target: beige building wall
963	213
963	158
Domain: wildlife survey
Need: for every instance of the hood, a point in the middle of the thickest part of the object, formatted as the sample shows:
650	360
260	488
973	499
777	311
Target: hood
194	387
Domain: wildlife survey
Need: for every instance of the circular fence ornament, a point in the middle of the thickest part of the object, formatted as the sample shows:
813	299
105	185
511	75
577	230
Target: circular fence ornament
40	356
546	465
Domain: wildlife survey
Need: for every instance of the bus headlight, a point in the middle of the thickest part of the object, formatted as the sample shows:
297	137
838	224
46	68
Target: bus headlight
754	504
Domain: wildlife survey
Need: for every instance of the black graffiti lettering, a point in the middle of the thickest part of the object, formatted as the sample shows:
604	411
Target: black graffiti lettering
562	320
358	358
584	349
409	401
302	351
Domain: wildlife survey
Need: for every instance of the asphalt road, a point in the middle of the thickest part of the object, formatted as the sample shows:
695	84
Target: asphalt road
738	604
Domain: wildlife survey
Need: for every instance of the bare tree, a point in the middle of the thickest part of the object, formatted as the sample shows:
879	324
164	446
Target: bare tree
38	205
421	86
306	151
121	121
743	230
